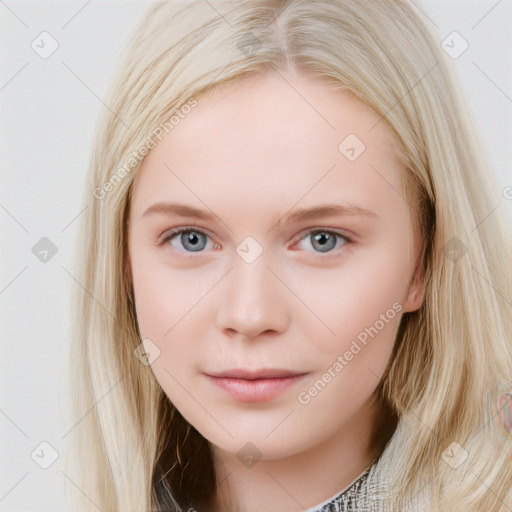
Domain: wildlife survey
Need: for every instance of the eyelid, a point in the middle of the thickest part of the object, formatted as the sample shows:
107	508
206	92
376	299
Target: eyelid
335	253
337	231
169	234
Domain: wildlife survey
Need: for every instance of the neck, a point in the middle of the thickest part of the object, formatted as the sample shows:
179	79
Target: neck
302	480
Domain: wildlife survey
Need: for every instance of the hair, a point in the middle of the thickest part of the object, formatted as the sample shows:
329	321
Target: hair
128	448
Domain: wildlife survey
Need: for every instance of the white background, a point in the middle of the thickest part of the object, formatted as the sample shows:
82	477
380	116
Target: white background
48	109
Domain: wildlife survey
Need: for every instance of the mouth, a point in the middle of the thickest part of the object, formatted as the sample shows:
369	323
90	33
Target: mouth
252	386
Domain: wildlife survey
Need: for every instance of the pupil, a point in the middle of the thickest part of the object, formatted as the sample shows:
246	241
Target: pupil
191	240
322	239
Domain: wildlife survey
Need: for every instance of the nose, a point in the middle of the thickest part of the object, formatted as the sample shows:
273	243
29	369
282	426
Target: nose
253	302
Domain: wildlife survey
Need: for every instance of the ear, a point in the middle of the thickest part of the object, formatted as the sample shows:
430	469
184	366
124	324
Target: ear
416	292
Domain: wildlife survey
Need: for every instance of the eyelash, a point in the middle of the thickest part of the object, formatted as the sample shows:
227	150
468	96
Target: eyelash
169	235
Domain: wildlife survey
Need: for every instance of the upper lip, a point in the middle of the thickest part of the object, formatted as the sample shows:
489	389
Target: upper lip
264	373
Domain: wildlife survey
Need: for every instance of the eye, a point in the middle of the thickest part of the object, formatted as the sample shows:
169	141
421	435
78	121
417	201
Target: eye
186	239
324	241
190	239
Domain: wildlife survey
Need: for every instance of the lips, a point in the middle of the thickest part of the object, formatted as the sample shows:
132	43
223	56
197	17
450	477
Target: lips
265	373
251	386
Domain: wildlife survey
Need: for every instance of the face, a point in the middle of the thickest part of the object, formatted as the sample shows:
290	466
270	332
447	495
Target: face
271	259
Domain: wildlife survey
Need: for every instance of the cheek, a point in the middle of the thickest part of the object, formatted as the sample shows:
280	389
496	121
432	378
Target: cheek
362	305
173	312
166	315
365	292
165	296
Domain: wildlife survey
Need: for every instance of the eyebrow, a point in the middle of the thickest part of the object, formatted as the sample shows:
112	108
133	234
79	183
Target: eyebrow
296	216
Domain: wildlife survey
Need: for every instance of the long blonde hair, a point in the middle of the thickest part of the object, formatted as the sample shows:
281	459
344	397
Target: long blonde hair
452	358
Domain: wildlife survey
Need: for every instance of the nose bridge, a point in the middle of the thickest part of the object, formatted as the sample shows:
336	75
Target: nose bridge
252	302
250	280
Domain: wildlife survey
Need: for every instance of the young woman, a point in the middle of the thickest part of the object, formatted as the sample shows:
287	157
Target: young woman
294	291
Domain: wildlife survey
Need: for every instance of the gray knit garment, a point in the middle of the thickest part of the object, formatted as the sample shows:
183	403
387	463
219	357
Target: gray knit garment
368	494
354	498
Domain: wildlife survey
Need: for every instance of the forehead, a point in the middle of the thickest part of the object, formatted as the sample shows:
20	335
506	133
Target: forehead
277	137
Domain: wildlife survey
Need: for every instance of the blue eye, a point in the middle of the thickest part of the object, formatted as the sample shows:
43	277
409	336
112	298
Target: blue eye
324	241
189	239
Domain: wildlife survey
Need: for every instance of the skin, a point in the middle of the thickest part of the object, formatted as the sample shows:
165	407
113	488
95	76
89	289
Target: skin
250	154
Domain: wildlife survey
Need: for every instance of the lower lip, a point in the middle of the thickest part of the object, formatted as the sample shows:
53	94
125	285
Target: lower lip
259	390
